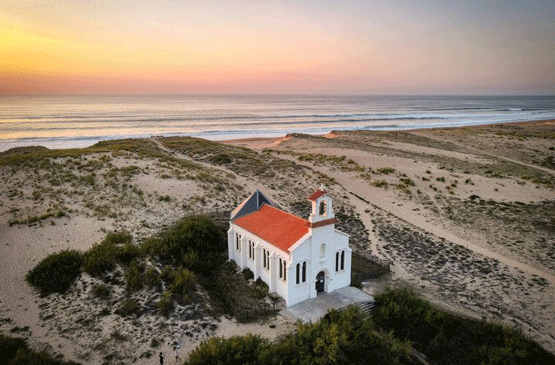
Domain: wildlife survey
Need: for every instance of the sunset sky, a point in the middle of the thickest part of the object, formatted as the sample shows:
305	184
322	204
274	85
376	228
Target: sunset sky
340	47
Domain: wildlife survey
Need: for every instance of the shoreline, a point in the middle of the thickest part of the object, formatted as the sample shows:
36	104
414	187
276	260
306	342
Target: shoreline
84	142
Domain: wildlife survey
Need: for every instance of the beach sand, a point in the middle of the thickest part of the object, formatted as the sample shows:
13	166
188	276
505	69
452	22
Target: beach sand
466	215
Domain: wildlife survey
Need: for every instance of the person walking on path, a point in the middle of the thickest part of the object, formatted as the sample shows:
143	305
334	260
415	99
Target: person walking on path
161	358
176	348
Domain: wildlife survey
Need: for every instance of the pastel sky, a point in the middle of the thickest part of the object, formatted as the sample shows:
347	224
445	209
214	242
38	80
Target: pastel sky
340	47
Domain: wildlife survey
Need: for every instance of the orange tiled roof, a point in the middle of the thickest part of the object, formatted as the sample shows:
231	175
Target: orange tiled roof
274	226
316	195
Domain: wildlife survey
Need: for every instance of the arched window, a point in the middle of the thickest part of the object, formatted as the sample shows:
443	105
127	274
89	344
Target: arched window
323	250
301	273
337	261
282	269
342	260
265	258
237	241
251	250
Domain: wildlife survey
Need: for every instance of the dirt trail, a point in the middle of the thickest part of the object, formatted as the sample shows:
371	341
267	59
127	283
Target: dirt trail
250	185
479	152
352	185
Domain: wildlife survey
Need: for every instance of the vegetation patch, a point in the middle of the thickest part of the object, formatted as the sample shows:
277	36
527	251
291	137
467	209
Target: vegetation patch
347	337
16	351
232	293
56	272
450	339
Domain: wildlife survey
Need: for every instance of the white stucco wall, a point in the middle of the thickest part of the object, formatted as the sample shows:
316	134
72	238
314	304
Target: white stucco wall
269	276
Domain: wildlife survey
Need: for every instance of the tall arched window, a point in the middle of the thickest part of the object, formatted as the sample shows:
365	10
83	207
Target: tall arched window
337	261
251	250
237	241
342	260
323	250
267	259
280	268
301	272
264	259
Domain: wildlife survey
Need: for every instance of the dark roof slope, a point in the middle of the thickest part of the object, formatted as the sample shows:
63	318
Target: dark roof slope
252	204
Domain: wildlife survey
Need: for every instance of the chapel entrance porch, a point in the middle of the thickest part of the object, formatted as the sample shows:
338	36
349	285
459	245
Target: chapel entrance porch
311	310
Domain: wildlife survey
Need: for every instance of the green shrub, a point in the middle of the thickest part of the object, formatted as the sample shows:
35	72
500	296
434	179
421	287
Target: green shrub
340	338
166	303
386	170
234	350
167	274
100	259
195	242
380	183
248	274
450	339
128	308
134	277
261	284
118	336
15	351
101	291
115	247
127	253
183	281
56	272
152	278
154	342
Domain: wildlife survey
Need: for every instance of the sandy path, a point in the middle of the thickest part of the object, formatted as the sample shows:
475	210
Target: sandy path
383	201
249	184
483	153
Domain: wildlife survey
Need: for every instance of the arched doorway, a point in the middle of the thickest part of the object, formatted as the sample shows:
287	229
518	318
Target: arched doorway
320	282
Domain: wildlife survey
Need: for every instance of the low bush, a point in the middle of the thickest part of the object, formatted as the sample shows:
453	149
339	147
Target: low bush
183	281
129	307
248	274
450	339
234	350
15	351
101	291
100	259
340	338
116	247
194	242
386	170
166	303
134	276
56	272
152	278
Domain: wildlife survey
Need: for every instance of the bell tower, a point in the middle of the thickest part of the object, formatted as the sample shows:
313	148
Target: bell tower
322	209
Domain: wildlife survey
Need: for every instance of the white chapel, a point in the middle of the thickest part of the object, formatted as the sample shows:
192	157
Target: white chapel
297	258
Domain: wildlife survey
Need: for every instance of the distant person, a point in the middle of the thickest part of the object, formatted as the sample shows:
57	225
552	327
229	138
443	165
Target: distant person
176	348
161	358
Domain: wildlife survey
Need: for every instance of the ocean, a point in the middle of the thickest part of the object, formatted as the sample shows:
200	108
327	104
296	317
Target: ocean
66	121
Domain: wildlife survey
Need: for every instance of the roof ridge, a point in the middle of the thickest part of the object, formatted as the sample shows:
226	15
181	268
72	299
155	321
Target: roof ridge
286	212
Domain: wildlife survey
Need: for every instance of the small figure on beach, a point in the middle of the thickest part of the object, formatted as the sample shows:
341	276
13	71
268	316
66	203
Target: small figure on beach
161	358
176	349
